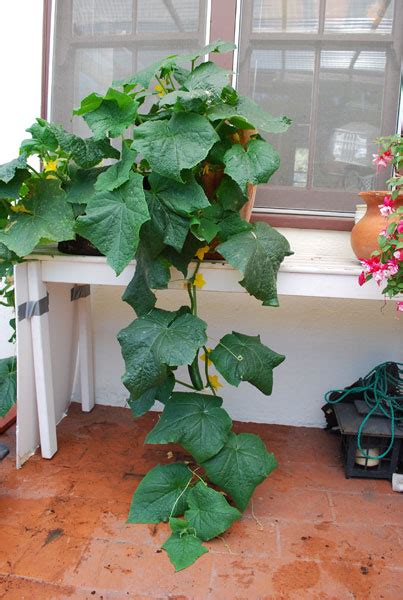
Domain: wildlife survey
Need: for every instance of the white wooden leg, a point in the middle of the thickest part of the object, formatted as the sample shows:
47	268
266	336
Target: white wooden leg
85	354
27	431
42	365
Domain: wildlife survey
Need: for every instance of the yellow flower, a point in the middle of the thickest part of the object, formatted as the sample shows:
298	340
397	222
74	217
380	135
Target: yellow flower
161	92
51	165
236	139
199	280
203	356
206	169
215	382
19	208
202	251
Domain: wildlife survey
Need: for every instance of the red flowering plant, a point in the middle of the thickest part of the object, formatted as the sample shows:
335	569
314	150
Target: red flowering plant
385	265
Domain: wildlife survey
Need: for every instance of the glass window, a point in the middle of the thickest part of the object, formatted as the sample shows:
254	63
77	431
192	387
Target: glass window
333	66
98	41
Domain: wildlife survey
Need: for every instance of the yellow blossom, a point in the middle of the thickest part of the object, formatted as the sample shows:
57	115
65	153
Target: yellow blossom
236	139
203	356
199	280
206	169
19	208
51	165
202	251
161	92
215	382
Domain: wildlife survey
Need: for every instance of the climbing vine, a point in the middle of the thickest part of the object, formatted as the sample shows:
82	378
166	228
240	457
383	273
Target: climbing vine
189	153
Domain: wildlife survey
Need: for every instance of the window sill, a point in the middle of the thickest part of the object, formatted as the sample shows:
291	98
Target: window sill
323	266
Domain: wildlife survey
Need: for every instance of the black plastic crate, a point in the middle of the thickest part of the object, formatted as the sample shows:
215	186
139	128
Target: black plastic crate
377	435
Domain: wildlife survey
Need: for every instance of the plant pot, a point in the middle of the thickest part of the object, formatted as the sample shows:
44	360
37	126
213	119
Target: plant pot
364	235
80	246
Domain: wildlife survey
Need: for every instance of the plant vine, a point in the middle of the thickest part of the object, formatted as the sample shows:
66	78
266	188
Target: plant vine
172	192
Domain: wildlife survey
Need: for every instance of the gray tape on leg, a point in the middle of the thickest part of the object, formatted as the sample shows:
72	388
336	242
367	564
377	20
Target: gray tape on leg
79	291
33	309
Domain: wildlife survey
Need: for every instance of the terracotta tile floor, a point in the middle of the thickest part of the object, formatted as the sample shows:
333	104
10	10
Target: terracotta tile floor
315	535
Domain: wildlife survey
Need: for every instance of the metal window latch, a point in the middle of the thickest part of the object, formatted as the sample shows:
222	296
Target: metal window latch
79	291
35	308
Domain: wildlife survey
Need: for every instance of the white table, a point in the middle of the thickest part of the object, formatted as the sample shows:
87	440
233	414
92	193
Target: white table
54	349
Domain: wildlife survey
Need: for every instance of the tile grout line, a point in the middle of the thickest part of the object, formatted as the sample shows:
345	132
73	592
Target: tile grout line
331	505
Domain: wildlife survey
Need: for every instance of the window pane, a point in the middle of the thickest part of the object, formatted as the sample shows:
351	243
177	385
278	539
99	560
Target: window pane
285	15
280	80
351	86
80	66
160	16
102	17
359	16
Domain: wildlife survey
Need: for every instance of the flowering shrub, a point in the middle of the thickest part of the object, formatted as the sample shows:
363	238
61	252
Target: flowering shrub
385	266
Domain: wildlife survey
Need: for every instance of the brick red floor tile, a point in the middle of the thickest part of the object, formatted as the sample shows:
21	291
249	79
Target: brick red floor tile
141	570
368	507
369	543
296	505
63	530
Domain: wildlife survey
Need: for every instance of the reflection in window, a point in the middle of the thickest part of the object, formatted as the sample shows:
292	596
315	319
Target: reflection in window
102	17
359	16
285	15
163	15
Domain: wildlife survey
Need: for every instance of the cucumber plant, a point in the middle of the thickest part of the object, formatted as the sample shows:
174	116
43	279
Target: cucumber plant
173	190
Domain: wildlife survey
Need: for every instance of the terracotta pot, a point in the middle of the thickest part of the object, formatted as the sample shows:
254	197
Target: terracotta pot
364	235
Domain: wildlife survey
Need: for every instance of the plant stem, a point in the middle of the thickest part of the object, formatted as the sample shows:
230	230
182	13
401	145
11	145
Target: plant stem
191	387
164	89
207	373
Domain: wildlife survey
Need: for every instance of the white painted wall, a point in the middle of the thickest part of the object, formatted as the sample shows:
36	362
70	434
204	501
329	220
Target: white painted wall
20	98
328	343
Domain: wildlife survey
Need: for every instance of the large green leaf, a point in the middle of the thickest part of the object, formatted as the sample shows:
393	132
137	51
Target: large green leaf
108	115
8	170
240	357
208	77
191	101
161	494
43	139
182	198
113	219
218	46
145	76
167	224
8	384
87	152
209	512
50	217
162	393
11	190
156	340
230	195
174	145
117	174
246	114
183	547
196	421
152	272
240	466
81	186
257	254
254	164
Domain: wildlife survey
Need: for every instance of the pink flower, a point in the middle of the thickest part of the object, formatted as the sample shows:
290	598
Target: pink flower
400	227
391	268
399	306
362	278
387	207
382	159
398	254
370	264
